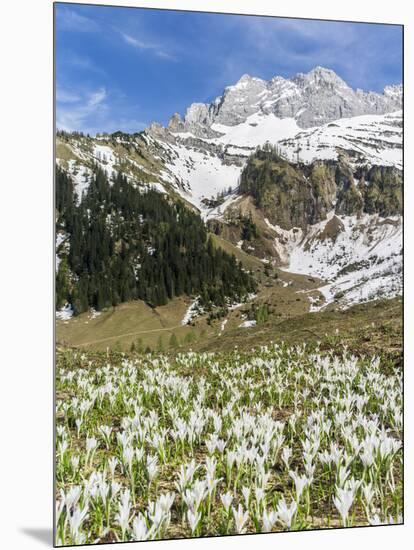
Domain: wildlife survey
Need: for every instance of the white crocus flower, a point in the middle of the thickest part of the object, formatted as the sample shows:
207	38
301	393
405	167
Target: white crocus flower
91	444
260	494
124	507
301	482
166	501
115	488
285	513
112	463
286	456
72	496
106	432
246	495
343	474
367	457
76	518
343	502
152	466
211	464
193	519
74	462
211	483
240	519
226	500
127	457
140	529
156	514
369	493
269	519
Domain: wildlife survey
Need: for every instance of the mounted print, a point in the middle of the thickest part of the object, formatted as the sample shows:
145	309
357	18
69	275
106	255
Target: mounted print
228	199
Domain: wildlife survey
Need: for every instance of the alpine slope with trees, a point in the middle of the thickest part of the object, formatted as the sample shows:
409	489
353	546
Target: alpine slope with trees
125	244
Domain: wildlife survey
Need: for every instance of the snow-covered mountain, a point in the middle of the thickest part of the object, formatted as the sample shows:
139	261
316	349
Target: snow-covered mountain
309	117
311	99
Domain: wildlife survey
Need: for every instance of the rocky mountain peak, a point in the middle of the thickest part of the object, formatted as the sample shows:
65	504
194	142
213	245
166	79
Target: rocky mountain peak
244	82
197	113
320	77
312	99
394	91
176	123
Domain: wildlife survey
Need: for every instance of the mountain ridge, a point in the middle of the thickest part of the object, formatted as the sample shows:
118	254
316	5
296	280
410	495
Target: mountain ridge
312	98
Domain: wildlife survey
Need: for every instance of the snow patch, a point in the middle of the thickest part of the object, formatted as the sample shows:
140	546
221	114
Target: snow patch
192	312
361	263
105	157
65	313
81	176
222	326
248	324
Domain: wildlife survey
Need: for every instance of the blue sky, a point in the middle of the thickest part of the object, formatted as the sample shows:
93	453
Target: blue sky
122	68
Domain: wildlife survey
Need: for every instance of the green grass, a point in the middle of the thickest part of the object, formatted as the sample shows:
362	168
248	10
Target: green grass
64	152
371	328
130	323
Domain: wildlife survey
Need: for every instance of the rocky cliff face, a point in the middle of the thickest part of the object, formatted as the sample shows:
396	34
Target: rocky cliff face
312	99
302	195
287	195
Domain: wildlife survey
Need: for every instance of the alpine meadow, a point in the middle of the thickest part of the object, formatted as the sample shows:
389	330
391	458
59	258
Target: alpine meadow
228	275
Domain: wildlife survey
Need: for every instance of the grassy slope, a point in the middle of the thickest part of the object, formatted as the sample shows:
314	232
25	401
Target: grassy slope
372	328
136	322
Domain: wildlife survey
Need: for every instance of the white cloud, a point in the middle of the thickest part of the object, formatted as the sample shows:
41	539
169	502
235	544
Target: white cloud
89	112
70	20
143	45
66	96
136	43
97	97
81	62
74	114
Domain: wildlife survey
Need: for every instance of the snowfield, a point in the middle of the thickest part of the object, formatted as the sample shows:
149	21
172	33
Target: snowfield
375	138
257	129
362	262
106	158
198	175
192	312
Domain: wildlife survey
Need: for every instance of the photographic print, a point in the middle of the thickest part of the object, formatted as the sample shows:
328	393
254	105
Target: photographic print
228	294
